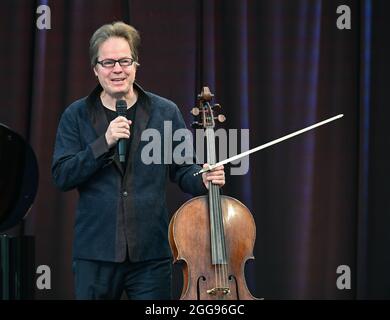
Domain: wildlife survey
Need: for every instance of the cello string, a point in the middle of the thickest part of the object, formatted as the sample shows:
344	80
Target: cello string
216	272
220	269
217	216
220	234
221	275
217	219
214	248
223	239
220	230
222	280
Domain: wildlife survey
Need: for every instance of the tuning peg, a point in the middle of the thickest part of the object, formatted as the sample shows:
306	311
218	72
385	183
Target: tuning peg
220	118
195	111
217	105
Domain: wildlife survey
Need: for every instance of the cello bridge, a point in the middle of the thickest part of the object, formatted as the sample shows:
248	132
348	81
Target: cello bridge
217	290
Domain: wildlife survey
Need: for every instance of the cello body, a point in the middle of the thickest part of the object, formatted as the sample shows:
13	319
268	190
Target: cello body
212	235
189	238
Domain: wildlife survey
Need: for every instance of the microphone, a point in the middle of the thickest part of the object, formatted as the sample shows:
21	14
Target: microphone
121	108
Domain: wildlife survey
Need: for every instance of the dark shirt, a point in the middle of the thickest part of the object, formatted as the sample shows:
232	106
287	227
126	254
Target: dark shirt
130	115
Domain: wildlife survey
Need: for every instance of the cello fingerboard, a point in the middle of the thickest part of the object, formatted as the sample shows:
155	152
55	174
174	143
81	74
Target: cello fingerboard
217	235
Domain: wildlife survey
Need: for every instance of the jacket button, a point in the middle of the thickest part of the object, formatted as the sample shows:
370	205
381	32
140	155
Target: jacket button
125	193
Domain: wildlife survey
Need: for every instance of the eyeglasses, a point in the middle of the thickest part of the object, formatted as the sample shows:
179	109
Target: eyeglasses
124	62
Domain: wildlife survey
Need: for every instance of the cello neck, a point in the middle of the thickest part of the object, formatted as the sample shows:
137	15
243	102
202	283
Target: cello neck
218	247
211	159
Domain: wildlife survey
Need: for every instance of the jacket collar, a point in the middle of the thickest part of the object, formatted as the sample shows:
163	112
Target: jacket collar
100	123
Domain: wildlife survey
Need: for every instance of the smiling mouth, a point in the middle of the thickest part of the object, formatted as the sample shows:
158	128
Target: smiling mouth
118	79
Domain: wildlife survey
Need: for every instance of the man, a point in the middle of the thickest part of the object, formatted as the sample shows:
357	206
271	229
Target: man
121	222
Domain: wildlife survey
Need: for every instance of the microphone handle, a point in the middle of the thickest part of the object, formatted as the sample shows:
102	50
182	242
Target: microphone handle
122	150
121	111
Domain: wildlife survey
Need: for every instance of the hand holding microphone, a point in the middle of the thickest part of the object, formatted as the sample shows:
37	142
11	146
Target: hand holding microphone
119	130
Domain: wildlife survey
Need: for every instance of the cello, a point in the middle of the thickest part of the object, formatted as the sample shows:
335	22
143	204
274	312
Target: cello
213	235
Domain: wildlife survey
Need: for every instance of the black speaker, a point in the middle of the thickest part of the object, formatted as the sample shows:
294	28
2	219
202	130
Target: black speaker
17	272
18	187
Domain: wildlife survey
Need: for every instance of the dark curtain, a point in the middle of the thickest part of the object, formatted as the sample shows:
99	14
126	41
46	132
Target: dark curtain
319	200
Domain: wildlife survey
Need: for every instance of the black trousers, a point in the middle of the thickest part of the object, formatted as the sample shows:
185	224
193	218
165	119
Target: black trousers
100	280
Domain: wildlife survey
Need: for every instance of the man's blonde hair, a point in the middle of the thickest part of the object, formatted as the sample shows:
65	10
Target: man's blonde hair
116	29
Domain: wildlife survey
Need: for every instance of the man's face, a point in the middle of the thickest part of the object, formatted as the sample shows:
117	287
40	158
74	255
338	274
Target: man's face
116	81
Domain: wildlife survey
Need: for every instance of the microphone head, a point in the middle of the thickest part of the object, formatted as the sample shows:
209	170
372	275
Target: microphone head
121	107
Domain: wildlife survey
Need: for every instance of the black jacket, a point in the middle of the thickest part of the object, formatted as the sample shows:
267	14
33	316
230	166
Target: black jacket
118	208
